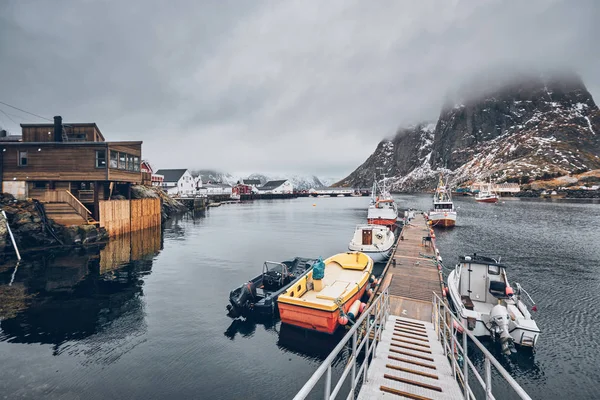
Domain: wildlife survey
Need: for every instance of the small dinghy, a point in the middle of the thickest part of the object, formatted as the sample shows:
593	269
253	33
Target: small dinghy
258	297
376	241
488	306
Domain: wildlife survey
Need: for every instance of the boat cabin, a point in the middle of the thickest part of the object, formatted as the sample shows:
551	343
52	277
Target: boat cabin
482	282
443	206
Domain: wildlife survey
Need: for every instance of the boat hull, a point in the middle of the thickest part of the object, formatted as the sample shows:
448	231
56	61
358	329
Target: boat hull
487	200
313	319
442	219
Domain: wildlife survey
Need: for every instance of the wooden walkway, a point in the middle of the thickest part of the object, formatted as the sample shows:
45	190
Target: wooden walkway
410	275
410	361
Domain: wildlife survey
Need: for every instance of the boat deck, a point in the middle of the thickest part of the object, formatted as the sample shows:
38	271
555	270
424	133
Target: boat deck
410	363
411	277
336	281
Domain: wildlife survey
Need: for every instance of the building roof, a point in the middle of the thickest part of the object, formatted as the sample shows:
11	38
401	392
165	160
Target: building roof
11	138
171	175
272	184
251	181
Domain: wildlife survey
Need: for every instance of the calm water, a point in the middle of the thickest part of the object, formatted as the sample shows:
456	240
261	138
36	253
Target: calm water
145	316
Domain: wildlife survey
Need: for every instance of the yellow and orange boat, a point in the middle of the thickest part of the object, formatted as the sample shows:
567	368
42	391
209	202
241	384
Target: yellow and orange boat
315	303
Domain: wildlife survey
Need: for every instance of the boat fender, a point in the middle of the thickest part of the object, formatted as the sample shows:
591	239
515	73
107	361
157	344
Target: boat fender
343	320
362	307
354	310
439	258
509	291
457	326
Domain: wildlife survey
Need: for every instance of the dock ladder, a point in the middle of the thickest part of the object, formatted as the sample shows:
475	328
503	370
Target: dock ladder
396	357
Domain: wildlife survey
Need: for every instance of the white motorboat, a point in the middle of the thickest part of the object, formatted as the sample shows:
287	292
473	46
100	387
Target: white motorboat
489	306
486	195
374	240
443	212
383	209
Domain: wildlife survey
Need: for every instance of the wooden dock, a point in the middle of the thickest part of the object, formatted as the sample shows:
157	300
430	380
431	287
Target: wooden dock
412	273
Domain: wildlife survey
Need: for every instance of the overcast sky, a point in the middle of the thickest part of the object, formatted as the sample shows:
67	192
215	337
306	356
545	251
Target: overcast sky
306	87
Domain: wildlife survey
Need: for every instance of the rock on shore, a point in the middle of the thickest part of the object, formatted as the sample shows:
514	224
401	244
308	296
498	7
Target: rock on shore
30	232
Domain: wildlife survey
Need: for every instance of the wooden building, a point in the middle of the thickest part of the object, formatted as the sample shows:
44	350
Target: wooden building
70	162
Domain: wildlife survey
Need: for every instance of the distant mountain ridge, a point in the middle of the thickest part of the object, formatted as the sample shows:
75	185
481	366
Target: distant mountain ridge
529	127
299	182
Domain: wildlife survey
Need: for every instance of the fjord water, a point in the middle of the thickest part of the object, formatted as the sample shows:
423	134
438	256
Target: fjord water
145	316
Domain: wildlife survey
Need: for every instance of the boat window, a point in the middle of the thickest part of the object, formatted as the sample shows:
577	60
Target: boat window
299	287
292	294
493	270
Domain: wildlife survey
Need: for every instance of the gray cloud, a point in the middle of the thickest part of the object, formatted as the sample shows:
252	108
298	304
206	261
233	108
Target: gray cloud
294	86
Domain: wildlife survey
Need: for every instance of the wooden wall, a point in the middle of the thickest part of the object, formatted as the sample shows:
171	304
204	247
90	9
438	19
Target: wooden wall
53	162
39	133
119	217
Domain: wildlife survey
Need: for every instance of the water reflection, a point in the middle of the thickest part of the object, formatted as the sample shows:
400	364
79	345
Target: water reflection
247	327
63	296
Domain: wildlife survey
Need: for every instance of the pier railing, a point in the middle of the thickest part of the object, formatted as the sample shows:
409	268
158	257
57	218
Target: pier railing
453	337
367	330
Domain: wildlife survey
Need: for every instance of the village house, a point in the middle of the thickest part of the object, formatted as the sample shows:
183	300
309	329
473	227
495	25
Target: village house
51	161
277	187
148	175
251	182
178	182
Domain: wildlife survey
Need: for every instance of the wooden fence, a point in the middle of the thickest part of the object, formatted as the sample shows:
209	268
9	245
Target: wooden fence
123	216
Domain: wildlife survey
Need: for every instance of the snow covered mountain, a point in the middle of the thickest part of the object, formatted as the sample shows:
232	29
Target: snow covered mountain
300	182
530	128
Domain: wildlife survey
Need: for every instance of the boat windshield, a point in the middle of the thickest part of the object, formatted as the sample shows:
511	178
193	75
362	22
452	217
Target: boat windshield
443	206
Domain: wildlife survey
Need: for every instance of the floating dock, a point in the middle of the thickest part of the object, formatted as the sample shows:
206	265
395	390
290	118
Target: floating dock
412	275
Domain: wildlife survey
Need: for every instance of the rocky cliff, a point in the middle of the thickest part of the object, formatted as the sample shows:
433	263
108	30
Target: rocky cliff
530	127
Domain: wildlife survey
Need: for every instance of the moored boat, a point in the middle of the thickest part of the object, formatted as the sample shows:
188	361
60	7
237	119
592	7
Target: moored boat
383	209
482	297
374	240
443	213
486	195
322	299
258	297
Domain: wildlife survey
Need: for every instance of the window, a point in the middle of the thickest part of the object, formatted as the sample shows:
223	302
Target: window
22	159
114	157
122	160
493	270
136	164
40	185
100	158
129	162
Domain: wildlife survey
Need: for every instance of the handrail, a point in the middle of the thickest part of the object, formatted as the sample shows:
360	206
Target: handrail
77	205
447	325
380	308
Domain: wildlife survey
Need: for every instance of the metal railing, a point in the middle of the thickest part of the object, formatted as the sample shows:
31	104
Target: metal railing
379	310
448	328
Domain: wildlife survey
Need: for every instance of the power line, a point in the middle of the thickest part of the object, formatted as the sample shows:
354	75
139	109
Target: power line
26	112
4	112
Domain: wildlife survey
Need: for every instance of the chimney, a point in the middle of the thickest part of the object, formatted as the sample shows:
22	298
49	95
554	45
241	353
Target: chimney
58	128
2	133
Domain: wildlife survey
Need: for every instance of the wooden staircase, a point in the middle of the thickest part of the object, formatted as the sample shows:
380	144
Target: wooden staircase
65	214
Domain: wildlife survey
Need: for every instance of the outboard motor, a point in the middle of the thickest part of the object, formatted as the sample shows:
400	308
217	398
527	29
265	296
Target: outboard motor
241	297
499	325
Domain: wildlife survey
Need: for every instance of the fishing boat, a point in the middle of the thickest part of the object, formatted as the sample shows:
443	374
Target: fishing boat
258	297
482	297
443	213
382	209
374	240
486	195
329	295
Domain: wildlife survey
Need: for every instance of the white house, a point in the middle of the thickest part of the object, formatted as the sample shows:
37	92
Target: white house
215	189
277	187
178	182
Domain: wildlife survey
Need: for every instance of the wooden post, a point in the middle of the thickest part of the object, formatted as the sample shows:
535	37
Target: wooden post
96	202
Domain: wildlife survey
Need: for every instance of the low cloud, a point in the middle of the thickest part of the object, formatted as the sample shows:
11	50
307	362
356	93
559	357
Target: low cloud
283	87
